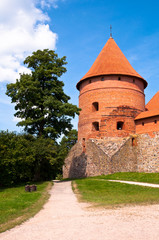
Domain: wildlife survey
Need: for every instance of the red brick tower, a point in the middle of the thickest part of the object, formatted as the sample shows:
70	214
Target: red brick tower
111	96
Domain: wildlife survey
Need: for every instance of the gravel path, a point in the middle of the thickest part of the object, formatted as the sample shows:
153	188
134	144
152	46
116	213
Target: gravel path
137	183
63	218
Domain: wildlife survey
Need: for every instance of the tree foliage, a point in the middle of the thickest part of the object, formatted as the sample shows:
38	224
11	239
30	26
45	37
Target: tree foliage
24	157
40	101
67	143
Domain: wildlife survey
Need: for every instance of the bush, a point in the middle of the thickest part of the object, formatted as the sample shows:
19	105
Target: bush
59	177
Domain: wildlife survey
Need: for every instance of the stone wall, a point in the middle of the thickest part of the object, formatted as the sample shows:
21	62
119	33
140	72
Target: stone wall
125	159
91	162
100	156
148	152
75	163
98	162
137	153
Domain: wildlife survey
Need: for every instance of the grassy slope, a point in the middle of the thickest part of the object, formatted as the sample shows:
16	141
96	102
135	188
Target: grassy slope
16	205
104	193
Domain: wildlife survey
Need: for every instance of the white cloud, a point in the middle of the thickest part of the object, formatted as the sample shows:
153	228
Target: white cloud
16	119
23	29
49	3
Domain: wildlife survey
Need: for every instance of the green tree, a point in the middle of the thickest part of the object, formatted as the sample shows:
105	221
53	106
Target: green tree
16	158
68	141
40	101
24	158
65	146
45	153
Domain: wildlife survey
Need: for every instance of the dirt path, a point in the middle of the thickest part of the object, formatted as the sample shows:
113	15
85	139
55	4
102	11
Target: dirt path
63	218
137	183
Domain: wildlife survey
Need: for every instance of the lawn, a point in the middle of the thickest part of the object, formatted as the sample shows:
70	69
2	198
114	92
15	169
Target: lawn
16	205
101	192
132	176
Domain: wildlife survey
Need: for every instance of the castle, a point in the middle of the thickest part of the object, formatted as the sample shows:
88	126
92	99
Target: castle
116	131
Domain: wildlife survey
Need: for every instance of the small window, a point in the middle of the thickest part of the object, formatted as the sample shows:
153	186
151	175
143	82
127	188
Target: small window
155	121
119	78
95	106
102	78
142	123
120	125
95	126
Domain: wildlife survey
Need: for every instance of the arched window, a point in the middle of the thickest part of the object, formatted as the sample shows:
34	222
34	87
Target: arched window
120	125
95	106
95	126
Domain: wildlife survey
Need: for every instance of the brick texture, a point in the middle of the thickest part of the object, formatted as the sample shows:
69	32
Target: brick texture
147	125
117	101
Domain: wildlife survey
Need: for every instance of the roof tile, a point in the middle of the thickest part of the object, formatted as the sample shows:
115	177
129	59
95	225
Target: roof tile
148	114
153	103
111	61
152	106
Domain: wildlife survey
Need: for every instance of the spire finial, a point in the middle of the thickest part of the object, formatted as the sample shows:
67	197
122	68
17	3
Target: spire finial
111	31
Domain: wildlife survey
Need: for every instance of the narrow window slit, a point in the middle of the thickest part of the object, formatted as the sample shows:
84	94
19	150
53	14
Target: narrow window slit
95	106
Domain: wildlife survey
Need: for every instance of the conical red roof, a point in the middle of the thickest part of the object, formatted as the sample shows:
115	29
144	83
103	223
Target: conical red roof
153	104
111	61
152	108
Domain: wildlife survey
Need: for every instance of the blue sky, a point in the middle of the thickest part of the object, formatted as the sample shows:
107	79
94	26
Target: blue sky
77	29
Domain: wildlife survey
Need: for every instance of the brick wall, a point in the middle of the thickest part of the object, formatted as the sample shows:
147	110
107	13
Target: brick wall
122	114
147	125
109	94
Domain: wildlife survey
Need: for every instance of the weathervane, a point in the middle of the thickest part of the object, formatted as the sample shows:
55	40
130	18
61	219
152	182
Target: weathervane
110	31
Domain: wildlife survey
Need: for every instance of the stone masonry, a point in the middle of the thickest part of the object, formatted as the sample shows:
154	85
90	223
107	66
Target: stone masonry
137	153
148	153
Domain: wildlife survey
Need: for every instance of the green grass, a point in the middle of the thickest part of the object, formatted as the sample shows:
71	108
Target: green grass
16	205
132	176
104	193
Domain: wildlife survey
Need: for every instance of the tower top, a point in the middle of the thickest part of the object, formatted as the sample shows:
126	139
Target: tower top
111	61
111	31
